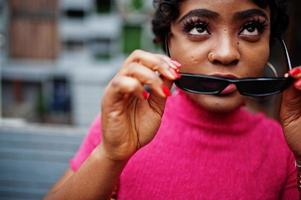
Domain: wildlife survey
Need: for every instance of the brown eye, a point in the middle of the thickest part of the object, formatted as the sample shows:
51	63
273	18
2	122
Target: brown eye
253	28
250	31
199	29
196	28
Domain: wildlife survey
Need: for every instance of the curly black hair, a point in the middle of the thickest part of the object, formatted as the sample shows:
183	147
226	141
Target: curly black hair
167	11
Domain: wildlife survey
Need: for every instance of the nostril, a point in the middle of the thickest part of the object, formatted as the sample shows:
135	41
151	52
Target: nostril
229	63
234	62
226	57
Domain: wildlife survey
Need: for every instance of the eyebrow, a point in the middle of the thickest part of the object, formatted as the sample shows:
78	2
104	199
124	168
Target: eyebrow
249	13
200	13
211	14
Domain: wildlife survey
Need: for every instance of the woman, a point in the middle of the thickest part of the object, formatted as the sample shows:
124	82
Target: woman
158	145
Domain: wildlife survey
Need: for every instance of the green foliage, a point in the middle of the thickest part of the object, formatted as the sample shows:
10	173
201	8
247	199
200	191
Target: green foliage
103	6
102	56
131	38
137	4
41	103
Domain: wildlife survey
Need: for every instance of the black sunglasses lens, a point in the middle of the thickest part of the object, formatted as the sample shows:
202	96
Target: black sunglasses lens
199	84
263	87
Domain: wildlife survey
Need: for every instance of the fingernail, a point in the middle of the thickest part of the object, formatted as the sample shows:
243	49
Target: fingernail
166	90
176	63
295	72
146	95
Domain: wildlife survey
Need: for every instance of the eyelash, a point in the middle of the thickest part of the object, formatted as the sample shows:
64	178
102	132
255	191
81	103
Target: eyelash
258	24
191	23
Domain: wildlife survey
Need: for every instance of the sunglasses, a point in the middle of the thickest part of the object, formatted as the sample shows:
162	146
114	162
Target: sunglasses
254	87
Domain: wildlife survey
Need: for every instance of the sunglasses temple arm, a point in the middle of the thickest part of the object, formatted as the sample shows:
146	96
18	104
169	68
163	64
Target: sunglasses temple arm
166	45
287	55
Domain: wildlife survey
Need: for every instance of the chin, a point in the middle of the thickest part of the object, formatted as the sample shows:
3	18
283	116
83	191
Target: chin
219	104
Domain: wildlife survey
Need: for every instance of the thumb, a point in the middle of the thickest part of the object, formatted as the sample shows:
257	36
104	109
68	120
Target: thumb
291	103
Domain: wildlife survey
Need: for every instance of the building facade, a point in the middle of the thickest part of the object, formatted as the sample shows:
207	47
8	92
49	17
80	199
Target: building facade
60	55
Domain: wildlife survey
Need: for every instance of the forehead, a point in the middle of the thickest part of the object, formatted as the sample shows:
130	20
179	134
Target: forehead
225	8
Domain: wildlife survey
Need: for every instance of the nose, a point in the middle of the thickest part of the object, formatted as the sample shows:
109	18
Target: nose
225	52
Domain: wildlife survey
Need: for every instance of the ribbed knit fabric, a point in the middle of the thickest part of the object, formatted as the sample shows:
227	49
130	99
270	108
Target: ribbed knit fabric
201	155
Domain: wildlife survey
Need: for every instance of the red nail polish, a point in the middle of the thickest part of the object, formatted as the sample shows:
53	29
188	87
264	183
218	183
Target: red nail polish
295	71
166	90
146	95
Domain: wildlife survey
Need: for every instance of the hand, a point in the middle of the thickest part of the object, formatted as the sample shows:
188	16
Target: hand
290	113
131	115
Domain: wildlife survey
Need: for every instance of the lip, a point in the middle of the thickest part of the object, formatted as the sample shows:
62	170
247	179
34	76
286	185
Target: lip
225	75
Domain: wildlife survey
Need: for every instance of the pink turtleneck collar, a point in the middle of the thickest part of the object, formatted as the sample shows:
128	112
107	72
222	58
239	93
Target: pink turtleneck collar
182	108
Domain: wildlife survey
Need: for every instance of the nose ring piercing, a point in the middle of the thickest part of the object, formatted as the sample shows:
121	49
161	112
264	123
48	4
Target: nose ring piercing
211	56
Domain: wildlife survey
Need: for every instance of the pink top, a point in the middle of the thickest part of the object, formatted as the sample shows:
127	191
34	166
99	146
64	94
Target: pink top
201	155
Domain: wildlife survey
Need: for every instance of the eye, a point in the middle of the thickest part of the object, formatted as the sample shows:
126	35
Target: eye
253	28
250	29
195	27
199	29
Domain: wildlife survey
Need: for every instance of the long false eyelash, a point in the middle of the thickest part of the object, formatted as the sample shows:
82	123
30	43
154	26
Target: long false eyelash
191	23
258	23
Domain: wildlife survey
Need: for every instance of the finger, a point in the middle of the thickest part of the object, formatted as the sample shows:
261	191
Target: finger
295	72
148	77
297	84
291	94
157	102
173	63
124	86
154	62
291	103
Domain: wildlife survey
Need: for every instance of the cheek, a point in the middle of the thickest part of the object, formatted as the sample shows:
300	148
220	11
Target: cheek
256	58
189	54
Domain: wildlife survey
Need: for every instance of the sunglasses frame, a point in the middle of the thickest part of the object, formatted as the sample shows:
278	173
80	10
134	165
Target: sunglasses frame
238	82
287	80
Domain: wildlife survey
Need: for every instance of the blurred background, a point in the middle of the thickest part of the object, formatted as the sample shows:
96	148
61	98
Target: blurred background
56	57
59	54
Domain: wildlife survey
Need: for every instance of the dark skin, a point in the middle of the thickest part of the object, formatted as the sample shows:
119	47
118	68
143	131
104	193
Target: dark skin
224	47
235	41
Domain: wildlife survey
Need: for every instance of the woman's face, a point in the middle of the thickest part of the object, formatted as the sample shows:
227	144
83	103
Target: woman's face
227	38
